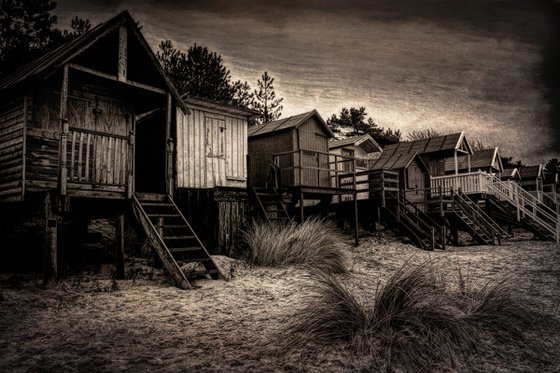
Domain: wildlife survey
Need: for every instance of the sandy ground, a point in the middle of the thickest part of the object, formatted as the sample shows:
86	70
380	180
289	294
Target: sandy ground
92	323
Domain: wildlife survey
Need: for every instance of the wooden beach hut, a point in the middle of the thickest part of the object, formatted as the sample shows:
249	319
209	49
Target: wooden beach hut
487	160
211	161
83	131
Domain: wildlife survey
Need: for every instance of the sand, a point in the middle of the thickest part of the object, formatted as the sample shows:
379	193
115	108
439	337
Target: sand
90	322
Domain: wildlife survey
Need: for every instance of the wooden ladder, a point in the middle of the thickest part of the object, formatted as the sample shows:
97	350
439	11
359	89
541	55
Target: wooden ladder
173	238
269	202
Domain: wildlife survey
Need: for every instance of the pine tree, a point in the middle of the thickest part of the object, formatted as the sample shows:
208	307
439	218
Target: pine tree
265	101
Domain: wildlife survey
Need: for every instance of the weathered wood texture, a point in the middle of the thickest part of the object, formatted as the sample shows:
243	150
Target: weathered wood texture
12	123
413	181
97	144
211	150
217	215
261	150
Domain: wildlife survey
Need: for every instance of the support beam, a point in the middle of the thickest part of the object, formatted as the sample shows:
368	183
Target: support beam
356	225
119	247
50	267
301	211
169	154
456	161
64	129
123	44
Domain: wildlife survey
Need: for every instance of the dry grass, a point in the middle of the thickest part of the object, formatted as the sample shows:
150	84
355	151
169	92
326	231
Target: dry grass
315	243
413	322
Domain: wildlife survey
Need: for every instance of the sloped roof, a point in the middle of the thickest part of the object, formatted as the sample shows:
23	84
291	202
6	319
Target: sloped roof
511	173
431	145
58	57
287	123
227	108
531	172
365	141
484	159
396	161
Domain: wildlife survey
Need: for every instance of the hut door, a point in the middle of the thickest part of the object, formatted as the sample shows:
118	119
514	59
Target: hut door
150	155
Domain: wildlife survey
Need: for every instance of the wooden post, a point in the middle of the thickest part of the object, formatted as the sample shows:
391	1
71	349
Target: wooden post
64	129
119	247
300	165
169	146
443	237
301	212
50	268
441	212
356	227
378	223
122	64
130	165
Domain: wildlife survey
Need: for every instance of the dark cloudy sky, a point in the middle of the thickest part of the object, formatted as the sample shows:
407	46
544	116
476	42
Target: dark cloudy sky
489	67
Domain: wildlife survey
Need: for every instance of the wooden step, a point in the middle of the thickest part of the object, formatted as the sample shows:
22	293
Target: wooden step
191	249
164	215
177	237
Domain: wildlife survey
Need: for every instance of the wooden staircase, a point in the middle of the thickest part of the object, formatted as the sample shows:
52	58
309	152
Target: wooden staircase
422	229
173	238
476	222
269	203
536	214
505	212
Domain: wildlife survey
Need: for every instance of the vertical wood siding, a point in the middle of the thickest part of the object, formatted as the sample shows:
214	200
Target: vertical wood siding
262	149
313	137
97	142
12	120
211	150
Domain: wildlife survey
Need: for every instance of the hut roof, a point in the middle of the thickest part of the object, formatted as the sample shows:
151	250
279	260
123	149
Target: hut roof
287	123
433	144
511	173
55	59
211	104
396	161
365	141
531	172
484	159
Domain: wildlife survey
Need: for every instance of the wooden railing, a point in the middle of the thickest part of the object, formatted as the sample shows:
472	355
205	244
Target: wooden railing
468	183
99	158
312	168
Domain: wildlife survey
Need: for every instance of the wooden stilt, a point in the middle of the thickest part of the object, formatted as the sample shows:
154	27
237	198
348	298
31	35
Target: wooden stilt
50	267
356	226
378	223
301	212
119	249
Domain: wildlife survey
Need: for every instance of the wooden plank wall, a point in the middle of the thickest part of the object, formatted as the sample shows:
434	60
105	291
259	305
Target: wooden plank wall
218	217
12	124
93	158
410	178
261	150
313	136
211	150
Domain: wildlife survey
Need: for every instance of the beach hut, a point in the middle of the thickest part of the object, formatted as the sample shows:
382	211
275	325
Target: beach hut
211	162
487	160
88	129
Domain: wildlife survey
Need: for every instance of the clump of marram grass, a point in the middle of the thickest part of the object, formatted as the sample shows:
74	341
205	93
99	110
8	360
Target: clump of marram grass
315	243
412	322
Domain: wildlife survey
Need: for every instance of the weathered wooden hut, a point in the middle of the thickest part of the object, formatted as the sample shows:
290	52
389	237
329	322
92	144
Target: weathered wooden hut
511	174
487	160
82	128
414	176
212	170
291	155
532	179
365	150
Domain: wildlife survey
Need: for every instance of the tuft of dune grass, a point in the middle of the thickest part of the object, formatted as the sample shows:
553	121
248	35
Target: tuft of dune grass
315	243
413	322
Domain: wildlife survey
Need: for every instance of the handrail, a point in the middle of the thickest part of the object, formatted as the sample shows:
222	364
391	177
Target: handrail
521	198
480	215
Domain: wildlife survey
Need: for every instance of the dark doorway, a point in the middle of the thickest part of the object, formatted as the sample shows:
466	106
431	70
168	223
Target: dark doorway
150	154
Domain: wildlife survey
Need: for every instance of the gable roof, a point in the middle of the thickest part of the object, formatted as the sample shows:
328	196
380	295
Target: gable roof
531	172
211	104
433	144
396	161
511	173
365	141
484	159
55	59
290	122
